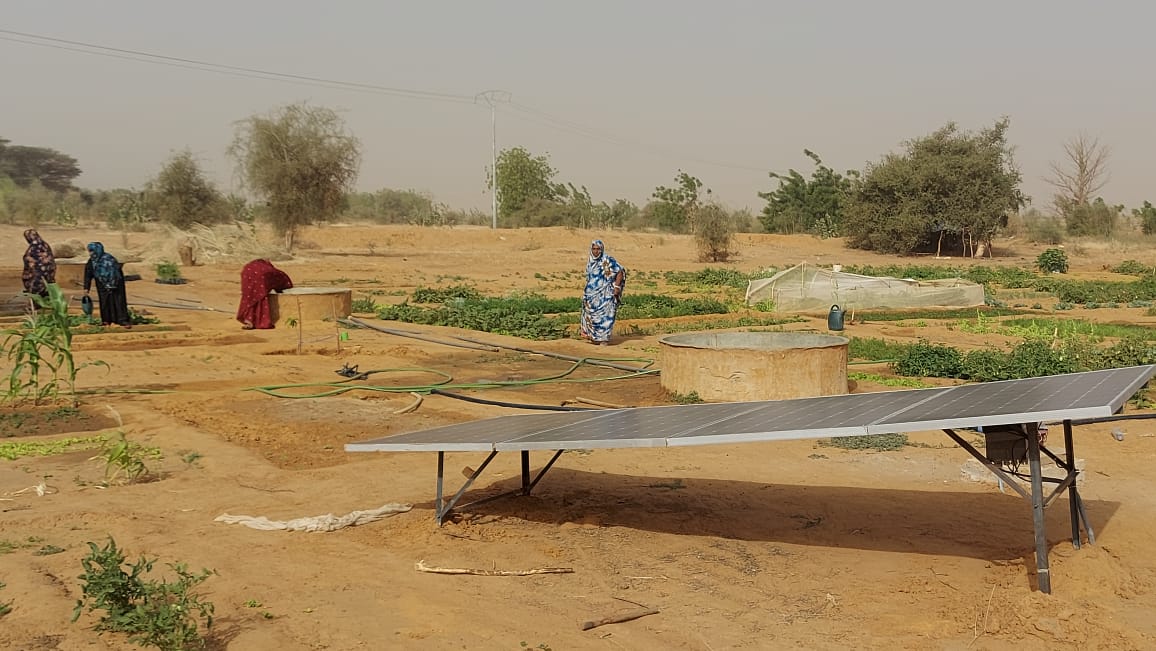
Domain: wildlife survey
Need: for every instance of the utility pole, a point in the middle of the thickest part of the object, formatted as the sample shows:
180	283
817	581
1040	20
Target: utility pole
492	97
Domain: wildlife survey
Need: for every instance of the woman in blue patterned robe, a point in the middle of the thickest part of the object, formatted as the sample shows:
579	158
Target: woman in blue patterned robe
604	281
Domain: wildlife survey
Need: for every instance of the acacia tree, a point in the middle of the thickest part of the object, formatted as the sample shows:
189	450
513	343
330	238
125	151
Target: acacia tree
1081	176
183	194
37	165
802	206
300	160
948	183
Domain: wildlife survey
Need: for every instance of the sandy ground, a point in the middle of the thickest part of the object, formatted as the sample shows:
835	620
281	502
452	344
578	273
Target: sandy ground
761	546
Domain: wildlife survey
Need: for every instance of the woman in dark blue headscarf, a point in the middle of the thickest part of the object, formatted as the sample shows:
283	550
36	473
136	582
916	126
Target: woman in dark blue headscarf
106	271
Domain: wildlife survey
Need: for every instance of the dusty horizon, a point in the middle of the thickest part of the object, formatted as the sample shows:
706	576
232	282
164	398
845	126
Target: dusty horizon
620	98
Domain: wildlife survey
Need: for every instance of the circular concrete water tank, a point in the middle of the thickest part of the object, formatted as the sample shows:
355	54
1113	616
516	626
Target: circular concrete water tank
317	303
746	366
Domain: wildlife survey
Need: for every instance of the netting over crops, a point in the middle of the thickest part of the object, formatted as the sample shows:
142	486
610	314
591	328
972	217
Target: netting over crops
807	288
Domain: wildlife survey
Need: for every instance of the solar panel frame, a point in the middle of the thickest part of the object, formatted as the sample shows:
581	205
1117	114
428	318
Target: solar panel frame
1072	396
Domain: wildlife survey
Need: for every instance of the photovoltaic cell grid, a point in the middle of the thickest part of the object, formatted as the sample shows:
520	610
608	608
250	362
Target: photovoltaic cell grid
1058	397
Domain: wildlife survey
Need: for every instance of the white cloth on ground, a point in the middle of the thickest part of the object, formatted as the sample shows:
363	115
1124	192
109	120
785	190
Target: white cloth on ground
327	522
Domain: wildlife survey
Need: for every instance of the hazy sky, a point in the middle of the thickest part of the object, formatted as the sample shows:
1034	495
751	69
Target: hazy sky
662	85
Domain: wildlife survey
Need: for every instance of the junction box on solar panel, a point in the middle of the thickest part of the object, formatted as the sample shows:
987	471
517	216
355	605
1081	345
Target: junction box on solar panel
1006	443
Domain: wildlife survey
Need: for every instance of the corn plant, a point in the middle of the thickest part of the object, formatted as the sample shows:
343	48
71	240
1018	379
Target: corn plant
40	352
124	460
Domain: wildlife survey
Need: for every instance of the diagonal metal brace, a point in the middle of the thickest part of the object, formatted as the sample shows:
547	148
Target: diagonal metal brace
443	509
996	470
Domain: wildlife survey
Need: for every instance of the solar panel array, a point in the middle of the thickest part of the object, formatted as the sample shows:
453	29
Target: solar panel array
1093	394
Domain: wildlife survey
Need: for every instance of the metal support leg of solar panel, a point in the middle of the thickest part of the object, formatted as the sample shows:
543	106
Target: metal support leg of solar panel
1035	493
444	507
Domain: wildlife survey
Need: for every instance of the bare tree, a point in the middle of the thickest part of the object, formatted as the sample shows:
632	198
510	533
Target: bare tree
1082	175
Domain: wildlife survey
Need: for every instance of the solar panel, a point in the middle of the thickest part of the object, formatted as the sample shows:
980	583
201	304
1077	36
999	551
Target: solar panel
1058	397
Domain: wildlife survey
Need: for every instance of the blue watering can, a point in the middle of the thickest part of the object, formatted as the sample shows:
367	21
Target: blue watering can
835	319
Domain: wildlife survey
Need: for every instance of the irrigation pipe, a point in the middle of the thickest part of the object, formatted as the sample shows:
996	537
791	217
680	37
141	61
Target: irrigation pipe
343	386
593	361
172	306
413	335
500	403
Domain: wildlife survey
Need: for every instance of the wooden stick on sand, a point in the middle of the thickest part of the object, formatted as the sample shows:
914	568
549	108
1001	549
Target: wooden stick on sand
422	567
618	619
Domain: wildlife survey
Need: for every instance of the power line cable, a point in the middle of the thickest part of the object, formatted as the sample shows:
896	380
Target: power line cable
520	111
151	57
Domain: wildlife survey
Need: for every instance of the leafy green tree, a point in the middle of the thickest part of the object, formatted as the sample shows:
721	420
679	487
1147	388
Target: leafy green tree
1147	217
300	160
524	181
1095	219
673	209
948	183
802	206
184	196
47	167
31	205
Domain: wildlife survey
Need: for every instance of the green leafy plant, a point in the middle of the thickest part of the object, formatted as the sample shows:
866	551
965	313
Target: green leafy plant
42	343
363	305
1133	268
906	382
155	613
124	460
929	360
877	442
13	450
1053	261
167	272
691	398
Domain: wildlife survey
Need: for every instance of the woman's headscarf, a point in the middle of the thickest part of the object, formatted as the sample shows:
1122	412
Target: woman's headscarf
601	247
37	247
105	268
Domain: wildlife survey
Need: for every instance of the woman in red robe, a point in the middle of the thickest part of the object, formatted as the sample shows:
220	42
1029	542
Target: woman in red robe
258	278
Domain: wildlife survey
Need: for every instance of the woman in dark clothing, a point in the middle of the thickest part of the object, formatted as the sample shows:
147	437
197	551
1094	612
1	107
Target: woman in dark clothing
39	264
258	278
106	271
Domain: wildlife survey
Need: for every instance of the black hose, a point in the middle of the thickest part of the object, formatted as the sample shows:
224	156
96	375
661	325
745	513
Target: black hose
515	405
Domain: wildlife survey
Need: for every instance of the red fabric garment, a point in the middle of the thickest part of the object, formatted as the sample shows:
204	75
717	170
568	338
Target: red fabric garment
258	278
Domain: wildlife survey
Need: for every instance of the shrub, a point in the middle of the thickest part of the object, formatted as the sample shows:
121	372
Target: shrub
1053	261
929	360
714	233
1132	268
153	613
